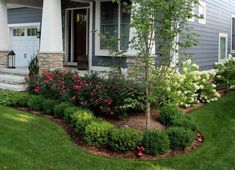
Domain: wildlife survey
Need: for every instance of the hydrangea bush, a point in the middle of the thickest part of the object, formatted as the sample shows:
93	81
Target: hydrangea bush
186	86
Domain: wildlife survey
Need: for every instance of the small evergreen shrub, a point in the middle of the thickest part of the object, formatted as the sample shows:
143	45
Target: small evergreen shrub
185	122
124	139
10	98
35	102
68	112
96	132
60	108
155	142
180	137
168	113
80	120
48	106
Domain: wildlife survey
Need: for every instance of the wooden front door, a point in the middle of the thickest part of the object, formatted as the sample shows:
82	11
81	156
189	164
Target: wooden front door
81	38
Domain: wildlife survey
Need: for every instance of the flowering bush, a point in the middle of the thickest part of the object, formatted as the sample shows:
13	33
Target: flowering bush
186	87
103	96
226	74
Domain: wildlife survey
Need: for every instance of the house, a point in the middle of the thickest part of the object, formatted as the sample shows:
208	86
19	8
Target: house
66	33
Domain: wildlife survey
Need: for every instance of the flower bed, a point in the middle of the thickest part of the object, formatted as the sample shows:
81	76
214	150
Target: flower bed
102	134
103	96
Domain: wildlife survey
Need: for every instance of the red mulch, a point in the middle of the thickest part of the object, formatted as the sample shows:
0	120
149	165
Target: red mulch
136	122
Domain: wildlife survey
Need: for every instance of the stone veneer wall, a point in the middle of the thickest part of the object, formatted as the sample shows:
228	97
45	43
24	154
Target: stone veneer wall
50	61
3	59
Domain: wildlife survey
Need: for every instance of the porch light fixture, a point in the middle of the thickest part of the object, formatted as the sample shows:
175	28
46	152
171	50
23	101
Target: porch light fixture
11	59
38	34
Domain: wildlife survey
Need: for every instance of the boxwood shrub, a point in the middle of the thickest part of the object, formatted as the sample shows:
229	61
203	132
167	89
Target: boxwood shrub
168	113
96	132
10	98
184	121
60	108
48	106
155	142
180	137
80	120
68	112
35	102
124	139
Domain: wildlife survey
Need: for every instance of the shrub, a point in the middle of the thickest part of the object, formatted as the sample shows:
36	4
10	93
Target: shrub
10	98
185	87
80	120
112	96
96	132
168	113
35	102
185	122
226	74
180	137
60	108
124	139
155	142
48	106
68	112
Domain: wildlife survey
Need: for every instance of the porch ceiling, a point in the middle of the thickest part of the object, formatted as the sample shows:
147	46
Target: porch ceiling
38	3
33	3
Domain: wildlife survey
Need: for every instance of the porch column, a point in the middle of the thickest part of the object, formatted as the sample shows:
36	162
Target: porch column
4	34
51	53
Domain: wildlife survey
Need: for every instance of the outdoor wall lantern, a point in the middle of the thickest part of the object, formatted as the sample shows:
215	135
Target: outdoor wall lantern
11	59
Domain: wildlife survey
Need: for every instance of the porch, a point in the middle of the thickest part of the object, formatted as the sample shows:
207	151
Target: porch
65	33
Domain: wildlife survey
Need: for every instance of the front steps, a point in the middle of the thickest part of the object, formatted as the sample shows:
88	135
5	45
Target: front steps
13	79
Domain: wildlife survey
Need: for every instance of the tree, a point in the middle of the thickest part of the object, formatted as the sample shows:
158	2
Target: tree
156	25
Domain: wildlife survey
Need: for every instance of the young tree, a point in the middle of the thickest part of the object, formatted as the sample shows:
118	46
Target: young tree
156	25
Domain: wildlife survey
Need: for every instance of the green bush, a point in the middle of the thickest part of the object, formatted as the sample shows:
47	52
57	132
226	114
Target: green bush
185	122
35	102
59	108
168	113
155	142
80	120
48	106
180	137
124	139
68	112
96	132
10	98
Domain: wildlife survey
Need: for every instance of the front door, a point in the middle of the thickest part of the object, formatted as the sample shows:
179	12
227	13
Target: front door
81	38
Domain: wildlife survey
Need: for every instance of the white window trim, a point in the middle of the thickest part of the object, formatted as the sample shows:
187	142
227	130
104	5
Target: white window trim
232	17
200	12
223	35
193	13
98	50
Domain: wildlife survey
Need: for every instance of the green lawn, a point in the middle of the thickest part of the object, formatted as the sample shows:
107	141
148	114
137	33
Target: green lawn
29	142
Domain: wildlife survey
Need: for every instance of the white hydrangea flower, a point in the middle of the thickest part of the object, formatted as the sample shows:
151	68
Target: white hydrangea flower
189	62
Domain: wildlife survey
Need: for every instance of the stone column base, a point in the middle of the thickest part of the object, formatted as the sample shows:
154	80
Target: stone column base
3	59
49	61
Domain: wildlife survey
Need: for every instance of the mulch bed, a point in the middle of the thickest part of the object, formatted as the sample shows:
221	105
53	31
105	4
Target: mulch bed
137	122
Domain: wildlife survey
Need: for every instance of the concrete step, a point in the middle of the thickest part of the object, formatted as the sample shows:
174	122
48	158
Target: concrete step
18	72
5	86
12	79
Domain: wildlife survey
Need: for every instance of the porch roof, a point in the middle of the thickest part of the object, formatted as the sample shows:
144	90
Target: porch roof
38	3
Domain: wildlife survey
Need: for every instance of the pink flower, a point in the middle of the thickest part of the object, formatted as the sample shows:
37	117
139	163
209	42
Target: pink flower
108	109
101	107
78	87
37	89
73	98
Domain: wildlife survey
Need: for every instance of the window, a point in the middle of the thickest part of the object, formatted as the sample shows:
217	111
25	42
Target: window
18	32
192	12
114	25
233	33
223	46
32	31
202	13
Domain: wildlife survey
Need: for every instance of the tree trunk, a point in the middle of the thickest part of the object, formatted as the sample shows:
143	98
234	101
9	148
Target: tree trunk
148	110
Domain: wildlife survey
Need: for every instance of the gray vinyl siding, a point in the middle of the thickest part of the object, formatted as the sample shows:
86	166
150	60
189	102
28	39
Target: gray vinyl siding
24	15
218	20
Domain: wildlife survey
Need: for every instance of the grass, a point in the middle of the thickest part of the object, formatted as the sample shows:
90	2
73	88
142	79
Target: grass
30	142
